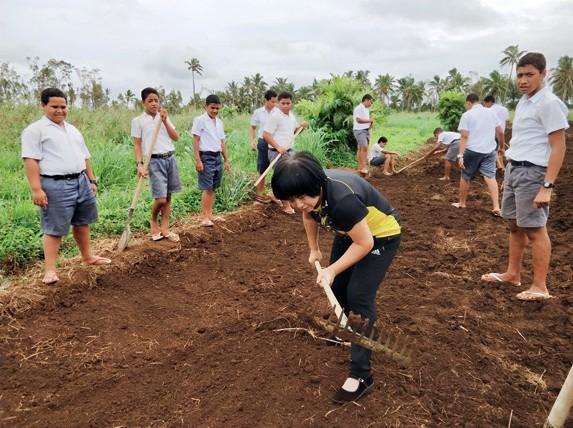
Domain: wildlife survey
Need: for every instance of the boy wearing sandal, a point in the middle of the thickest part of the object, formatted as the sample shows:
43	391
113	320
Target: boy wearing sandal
535	155
162	168
58	168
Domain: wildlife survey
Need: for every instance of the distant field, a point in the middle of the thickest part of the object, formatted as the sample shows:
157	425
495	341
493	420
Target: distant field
106	132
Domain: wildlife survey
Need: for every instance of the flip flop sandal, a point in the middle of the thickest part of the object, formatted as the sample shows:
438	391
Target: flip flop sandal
207	223
157	237
497	278
532	296
50	278
99	261
172	237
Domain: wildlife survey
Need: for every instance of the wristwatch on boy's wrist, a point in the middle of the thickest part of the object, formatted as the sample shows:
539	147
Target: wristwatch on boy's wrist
548	185
139	162
459	156
94	181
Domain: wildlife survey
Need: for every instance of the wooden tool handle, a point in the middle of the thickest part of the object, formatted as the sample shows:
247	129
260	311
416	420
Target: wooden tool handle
332	300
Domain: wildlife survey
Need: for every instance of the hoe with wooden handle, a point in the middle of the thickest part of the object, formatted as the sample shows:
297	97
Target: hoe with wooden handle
351	330
126	235
411	164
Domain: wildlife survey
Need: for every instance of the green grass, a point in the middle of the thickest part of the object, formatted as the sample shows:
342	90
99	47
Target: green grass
106	132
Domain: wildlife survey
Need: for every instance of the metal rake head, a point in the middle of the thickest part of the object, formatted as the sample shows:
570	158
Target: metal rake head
359	331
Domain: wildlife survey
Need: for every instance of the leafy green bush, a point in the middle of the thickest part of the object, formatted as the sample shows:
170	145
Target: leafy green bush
450	109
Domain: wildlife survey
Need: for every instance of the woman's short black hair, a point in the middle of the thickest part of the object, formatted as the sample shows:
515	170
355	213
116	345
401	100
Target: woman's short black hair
298	175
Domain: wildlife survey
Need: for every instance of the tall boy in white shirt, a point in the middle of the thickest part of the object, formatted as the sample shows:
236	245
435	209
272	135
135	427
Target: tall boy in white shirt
163	175
208	146
535	155
58	168
362	123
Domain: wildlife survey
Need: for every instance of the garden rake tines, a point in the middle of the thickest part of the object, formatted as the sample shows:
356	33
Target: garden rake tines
357	330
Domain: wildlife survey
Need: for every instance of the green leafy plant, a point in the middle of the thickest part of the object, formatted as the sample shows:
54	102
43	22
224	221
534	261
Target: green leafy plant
450	109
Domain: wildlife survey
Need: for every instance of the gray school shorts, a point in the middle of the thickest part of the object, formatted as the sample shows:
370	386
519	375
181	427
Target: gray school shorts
210	177
377	160
70	201
362	137
273	154
163	177
482	162
452	153
520	186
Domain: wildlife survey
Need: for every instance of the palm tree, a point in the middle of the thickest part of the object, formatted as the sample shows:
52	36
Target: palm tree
385	84
436	87
282	84
455	81
512	54
562	79
496	84
129	97
362	77
195	67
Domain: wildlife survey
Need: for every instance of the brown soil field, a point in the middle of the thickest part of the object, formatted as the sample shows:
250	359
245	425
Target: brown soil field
214	332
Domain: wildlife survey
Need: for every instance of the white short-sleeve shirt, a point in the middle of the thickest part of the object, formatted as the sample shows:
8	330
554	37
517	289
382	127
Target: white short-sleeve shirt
363	112
375	152
448	137
282	126
480	122
535	118
143	126
210	132
59	150
259	119
502	114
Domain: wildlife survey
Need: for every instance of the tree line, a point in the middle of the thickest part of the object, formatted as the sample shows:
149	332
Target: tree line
85	88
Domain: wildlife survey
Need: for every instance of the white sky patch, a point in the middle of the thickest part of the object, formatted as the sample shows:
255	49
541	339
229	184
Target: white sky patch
137	43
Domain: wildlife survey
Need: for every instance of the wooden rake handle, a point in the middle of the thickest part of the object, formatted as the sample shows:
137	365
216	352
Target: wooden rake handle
332	300
275	160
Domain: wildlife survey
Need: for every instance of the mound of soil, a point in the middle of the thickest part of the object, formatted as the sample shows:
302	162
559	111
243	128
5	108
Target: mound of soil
215	333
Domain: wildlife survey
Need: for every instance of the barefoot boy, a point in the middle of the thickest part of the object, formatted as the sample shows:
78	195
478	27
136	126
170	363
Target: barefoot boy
258	120
162	168
58	168
378	155
208	145
279	133
452	141
535	156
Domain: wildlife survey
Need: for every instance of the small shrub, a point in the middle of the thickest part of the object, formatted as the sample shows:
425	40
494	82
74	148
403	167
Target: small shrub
450	110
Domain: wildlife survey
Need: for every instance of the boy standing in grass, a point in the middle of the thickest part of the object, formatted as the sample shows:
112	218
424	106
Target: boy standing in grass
162	168
258	120
380	156
278	133
58	168
452	141
535	155
361	129
208	145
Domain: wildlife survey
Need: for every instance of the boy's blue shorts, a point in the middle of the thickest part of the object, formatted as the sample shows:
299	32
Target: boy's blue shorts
482	162
163	177
210	177
70	201
262	156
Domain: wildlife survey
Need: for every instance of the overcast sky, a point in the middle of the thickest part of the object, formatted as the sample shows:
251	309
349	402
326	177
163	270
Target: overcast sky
138	43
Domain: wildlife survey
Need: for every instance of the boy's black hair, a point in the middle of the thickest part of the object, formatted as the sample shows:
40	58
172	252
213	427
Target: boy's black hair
270	94
52	92
285	95
298	175
212	99
382	140
472	98
367	97
148	91
438	131
489	99
535	59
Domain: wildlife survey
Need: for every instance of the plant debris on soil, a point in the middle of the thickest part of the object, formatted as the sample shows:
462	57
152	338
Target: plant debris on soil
218	331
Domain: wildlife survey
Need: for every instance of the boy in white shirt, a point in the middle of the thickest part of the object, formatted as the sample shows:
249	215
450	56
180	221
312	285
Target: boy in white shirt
378	155
503	115
452	141
362	123
279	131
208	146
58	168
163	175
535	155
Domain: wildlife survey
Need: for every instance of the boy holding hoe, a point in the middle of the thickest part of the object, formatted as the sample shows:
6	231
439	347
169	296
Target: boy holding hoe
451	140
162	168
208	146
58	168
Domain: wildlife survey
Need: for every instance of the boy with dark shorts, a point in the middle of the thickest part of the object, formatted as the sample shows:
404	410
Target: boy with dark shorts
452	141
58	168
535	155
162	168
378	156
258	120
477	150
208	146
